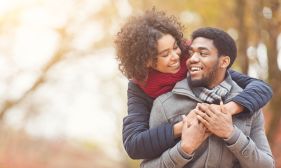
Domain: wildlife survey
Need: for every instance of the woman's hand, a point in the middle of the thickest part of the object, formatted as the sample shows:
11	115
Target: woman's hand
177	128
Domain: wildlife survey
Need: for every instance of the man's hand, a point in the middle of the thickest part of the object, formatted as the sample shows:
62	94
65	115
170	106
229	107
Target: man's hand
215	119
193	134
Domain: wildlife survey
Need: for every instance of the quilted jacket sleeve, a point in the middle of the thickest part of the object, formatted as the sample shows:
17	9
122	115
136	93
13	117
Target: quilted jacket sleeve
139	141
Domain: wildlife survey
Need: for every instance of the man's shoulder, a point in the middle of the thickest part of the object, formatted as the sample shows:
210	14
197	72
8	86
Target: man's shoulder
164	97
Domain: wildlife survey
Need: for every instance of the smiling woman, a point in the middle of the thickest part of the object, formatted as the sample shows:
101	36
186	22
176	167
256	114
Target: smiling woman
141	44
168	59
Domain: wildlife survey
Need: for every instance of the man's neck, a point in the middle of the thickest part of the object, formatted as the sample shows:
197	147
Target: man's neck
219	78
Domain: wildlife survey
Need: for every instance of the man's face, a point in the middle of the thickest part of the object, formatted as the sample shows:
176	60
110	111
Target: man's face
203	64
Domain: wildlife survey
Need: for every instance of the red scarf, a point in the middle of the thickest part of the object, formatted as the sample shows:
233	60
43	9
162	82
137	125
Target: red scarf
158	83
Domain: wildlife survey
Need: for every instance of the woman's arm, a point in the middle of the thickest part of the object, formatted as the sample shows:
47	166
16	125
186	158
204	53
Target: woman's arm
139	141
255	95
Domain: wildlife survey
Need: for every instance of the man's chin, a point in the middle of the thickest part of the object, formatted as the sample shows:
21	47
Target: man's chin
196	82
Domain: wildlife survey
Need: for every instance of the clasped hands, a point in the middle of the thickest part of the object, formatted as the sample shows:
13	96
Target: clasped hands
204	120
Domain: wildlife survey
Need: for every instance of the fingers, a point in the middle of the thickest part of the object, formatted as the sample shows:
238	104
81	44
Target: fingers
191	115
222	107
208	131
206	135
201	114
215	109
218	109
197	106
206	109
197	125
203	121
185	123
183	117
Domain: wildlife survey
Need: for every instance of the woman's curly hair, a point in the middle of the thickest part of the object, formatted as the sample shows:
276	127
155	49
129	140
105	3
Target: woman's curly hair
136	43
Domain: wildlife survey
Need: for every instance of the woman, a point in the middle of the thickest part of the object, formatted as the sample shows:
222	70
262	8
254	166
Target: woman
153	69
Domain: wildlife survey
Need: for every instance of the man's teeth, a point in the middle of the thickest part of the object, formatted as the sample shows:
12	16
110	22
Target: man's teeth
195	69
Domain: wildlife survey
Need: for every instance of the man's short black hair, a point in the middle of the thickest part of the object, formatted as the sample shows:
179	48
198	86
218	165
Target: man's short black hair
222	41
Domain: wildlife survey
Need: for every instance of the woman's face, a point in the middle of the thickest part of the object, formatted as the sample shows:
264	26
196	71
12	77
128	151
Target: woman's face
168	58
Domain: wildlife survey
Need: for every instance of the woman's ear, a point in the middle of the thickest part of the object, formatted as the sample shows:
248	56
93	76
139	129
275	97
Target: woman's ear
149	64
225	61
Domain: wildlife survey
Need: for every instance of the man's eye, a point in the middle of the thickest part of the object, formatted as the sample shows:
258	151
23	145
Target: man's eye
176	46
190	52
203	54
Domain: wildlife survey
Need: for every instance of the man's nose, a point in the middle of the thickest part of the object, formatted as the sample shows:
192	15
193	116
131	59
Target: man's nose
194	57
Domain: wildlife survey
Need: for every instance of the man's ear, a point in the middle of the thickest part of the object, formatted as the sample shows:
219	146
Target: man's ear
225	61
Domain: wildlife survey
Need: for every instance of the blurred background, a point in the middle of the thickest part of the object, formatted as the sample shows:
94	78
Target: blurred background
62	97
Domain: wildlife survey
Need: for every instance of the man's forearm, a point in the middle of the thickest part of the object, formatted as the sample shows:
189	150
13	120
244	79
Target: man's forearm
173	157
249	154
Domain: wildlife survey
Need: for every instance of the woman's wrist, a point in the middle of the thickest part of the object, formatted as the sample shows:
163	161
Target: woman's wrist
177	129
233	108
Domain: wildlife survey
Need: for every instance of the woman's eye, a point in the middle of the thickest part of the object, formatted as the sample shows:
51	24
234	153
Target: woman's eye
176	46
165	54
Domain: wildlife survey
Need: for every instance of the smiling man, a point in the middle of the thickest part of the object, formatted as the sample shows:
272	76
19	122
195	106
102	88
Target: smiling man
213	138
205	70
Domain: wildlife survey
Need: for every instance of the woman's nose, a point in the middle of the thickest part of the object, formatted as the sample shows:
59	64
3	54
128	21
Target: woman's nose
175	55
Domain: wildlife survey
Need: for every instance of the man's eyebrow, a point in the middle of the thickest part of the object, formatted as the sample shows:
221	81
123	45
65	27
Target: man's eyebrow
166	49
199	48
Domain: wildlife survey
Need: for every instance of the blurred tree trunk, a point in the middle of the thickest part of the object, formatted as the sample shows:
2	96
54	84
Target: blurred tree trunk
242	58
257	21
8	104
272	27
57	57
256	34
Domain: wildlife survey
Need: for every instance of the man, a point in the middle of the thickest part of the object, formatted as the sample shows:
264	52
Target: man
210	136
